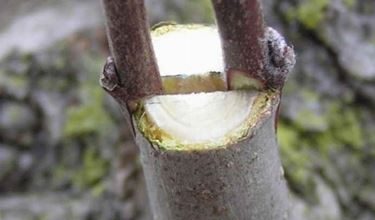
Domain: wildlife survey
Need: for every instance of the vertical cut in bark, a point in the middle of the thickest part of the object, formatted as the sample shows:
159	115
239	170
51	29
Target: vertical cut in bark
130	44
242	32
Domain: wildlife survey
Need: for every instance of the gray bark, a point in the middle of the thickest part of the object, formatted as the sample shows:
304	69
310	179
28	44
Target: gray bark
243	181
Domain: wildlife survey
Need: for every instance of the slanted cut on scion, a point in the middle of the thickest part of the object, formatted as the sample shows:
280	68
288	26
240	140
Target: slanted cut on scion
202	103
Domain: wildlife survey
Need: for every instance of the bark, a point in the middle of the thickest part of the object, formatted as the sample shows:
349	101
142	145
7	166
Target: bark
242	31
130	44
243	181
251	50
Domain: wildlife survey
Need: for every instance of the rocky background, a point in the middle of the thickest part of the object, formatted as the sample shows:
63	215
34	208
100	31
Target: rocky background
65	152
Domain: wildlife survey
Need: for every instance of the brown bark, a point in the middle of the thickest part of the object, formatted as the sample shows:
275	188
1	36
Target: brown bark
130	44
242	31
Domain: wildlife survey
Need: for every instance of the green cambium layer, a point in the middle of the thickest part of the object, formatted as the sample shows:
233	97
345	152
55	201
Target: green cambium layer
261	108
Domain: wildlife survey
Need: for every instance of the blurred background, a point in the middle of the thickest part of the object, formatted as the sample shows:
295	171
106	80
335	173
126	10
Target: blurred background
65	152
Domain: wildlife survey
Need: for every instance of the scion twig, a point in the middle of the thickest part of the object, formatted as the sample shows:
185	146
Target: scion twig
241	28
130	44
255	56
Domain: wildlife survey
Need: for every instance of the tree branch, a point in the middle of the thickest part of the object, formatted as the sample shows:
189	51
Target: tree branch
241	28
130	44
254	56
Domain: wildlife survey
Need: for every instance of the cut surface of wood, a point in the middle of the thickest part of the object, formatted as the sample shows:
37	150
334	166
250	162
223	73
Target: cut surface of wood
191	61
203	120
202	117
187	50
190	58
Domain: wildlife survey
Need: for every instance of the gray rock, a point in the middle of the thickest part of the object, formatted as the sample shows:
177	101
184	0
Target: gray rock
345	32
48	206
367	196
13	85
40	25
53	107
366	216
17	216
17	121
365	89
25	162
328	206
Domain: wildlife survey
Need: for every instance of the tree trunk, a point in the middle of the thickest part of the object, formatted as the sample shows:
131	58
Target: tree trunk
229	169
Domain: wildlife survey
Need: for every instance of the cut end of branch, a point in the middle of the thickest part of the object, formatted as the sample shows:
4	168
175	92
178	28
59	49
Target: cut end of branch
202	115
203	121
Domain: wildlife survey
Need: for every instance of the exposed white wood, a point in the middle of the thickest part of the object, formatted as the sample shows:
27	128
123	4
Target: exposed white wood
202	117
188	51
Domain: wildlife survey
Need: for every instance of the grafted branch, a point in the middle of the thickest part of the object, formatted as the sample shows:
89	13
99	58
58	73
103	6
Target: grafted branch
130	44
241	28
200	162
255	56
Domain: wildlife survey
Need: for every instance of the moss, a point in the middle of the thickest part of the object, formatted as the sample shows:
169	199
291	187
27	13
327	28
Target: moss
12	81
349	3
306	117
311	120
61	174
345	126
59	83
295	159
206	10
89	116
287	136
343	130
89	122
310	13
92	171
194	11
42	216
338	127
